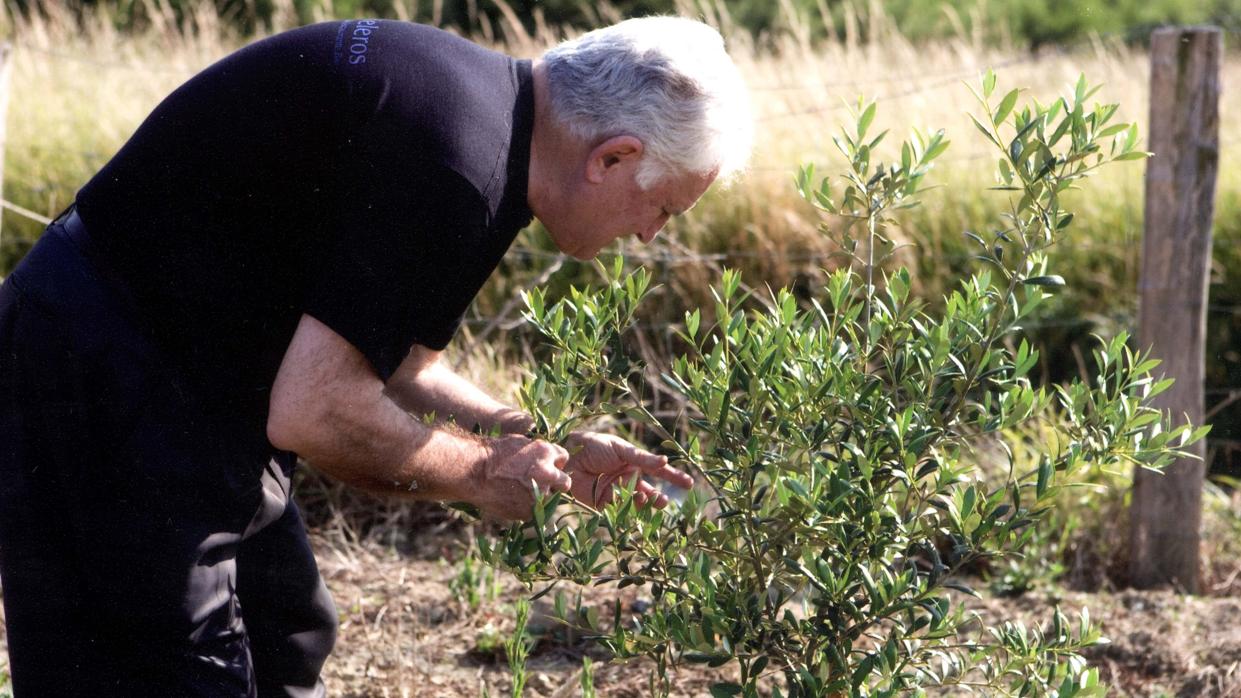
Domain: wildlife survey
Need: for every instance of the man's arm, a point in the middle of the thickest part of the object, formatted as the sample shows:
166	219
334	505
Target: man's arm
422	384
329	407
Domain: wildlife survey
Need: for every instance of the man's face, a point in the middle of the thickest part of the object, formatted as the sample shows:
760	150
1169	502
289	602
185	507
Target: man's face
616	207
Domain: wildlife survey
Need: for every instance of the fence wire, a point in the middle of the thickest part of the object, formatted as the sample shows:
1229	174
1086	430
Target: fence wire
509	317
929	83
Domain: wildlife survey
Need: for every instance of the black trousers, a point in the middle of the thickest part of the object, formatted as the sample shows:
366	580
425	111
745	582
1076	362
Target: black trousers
148	543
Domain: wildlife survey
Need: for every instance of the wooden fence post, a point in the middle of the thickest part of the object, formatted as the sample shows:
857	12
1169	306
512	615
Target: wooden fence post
1166	513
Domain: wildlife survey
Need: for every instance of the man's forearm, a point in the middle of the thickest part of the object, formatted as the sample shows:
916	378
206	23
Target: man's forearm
330	408
375	445
436	388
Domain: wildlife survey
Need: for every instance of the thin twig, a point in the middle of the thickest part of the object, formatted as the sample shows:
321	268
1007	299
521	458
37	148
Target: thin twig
38	217
1233	396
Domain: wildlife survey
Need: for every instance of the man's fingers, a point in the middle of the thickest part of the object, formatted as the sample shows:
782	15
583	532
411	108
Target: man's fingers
656	466
646	494
674	476
595	491
607	482
551	478
561	459
637	457
548	470
669	474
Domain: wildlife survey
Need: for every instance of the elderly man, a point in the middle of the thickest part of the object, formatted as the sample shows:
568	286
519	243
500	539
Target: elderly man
269	269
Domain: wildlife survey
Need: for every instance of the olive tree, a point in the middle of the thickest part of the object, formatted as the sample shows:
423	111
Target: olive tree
835	441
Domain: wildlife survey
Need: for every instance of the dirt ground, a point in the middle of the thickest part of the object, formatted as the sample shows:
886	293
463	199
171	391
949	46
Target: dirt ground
405	632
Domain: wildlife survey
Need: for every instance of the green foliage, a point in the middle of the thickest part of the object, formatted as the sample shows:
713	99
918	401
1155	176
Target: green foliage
836	442
588	678
1027	21
517	649
1081	535
474	583
585	331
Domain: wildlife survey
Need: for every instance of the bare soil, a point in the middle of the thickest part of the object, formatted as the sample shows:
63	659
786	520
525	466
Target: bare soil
404	634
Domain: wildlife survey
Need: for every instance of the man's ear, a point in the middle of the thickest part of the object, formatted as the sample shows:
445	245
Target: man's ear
617	150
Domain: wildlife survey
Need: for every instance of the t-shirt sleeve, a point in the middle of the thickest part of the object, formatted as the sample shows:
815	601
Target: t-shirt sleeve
393	270
409	235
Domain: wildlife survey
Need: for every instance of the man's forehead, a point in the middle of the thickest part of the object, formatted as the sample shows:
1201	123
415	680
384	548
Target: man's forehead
688	189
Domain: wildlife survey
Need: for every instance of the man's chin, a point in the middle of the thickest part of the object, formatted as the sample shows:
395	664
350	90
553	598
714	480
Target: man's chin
583	253
580	253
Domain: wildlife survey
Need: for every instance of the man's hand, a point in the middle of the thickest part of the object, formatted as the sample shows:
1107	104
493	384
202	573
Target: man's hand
513	462
600	461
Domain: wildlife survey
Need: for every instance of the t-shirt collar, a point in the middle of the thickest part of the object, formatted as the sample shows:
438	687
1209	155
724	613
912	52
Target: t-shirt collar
514	205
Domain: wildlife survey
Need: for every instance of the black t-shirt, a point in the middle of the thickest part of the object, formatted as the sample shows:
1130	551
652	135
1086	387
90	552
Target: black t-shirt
368	173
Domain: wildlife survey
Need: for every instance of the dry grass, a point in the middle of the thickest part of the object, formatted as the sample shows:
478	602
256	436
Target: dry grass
404	632
79	91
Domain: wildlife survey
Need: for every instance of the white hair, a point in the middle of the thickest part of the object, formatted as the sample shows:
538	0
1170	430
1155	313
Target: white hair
666	81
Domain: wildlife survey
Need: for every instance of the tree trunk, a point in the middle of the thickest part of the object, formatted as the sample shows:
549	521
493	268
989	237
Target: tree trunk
1166	514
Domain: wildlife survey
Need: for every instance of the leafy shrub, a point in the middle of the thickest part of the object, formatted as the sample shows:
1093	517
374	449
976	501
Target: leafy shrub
1082	540
835	443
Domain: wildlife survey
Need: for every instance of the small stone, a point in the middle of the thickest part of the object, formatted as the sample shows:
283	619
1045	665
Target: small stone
542	683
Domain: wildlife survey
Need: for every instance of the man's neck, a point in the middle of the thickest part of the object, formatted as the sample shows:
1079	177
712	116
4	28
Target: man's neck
553	150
